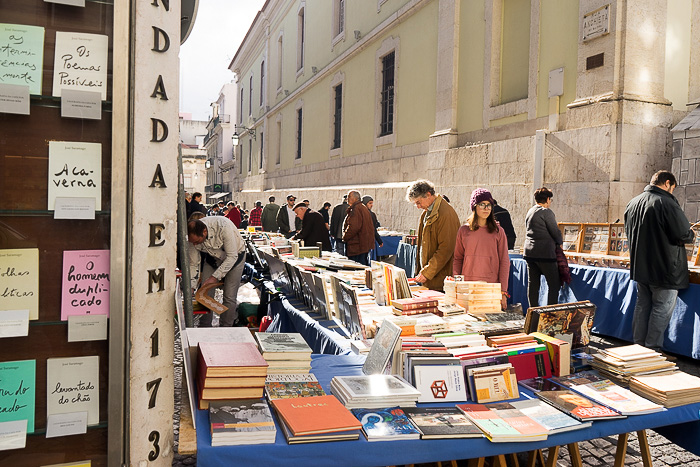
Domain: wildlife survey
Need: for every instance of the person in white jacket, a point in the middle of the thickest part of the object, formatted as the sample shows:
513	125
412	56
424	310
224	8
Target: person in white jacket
224	258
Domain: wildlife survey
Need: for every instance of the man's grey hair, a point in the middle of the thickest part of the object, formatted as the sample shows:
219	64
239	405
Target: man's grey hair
355	194
419	189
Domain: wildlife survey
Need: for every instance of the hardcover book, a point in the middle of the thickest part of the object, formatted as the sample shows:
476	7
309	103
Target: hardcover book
493	383
442	422
579	407
379	356
539	384
559	353
230	359
287	386
315	415
241	422
571	322
531	364
440	383
283	346
389	424
414	303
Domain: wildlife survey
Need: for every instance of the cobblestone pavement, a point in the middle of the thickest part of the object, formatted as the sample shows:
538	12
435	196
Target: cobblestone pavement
597	452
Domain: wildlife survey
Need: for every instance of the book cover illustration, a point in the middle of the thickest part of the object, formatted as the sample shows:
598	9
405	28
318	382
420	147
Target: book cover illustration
288	389
386	423
246	415
440	383
382	348
280	342
548	416
442	422
569	323
577	405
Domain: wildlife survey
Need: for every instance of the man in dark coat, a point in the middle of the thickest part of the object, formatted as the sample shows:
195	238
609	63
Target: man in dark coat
195	205
358	230
657	230
313	227
337	218
502	215
287	220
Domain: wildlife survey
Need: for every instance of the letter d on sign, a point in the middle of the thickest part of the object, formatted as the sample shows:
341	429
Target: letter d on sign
154	135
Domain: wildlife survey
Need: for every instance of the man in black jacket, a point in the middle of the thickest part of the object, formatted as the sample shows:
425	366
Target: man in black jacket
502	215
337	219
657	230
313	227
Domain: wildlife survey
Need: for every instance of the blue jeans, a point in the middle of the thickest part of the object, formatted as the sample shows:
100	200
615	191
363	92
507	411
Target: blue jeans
339	247
362	259
652	314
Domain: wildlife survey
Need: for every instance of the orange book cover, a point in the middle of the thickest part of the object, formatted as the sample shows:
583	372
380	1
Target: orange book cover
314	415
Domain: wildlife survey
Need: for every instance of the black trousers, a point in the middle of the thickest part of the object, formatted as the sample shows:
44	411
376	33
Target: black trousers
550	271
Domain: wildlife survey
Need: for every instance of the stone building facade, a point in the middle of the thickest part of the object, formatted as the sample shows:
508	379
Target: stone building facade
511	95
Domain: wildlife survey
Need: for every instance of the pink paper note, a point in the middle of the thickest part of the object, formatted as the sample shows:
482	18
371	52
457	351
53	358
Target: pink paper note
85	289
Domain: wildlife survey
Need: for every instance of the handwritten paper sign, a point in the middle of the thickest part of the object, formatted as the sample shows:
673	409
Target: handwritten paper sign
72	385
17	392
14	323
75	171
80	63
19	280
13	435
22	55
85	289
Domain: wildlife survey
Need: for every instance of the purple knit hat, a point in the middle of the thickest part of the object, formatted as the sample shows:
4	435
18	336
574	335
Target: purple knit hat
479	195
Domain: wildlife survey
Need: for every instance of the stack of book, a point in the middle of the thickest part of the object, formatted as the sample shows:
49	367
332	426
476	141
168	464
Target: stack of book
386	424
476	297
414	306
559	353
607	393
281	386
284	352
453	340
374	391
442	423
492	383
671	390
529	358
622	363
315	419
233	370
503	423
246	421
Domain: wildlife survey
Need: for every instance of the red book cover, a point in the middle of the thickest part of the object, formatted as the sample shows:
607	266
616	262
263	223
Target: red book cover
420	311
414	303
531	365
314	415
231	359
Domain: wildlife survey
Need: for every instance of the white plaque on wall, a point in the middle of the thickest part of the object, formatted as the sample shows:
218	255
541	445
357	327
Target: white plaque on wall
596	23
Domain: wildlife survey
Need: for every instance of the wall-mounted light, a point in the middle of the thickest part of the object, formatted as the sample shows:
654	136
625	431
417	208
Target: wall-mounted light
314	70
358	35
235	138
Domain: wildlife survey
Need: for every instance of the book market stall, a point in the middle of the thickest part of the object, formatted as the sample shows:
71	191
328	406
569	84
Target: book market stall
449	375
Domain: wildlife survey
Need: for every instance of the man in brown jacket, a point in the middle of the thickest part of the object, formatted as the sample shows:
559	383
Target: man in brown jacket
358	230
437	234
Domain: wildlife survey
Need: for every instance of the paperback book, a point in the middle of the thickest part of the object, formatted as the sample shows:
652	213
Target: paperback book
281	386
549	417
440	383
503	423
389	424
246	421
442	422
578	406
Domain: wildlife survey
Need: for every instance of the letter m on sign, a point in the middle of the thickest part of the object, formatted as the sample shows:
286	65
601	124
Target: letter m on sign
156	277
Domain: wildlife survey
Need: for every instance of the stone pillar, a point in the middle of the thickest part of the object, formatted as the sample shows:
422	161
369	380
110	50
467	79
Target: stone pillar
446	94
153	231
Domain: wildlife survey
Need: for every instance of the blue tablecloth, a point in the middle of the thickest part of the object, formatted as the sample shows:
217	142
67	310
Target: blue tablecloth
363	453
390	245
615	295
406	258
323	336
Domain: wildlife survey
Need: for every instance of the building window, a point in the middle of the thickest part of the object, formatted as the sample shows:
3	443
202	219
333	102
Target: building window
250	155
515	51
262	82
299	127
240	114
301	33
187	181
250	95
387	95
280	61
262	147
338	19
278	161
337	115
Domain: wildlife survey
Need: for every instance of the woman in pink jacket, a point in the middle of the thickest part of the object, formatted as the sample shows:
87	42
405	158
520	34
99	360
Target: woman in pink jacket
481	251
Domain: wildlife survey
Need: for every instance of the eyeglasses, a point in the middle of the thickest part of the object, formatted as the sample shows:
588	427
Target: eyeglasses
485	205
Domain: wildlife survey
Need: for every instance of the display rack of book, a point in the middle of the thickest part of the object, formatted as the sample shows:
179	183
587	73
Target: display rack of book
44	156
572	235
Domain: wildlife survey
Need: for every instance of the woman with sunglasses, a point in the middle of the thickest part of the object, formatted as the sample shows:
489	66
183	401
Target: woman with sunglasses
481	251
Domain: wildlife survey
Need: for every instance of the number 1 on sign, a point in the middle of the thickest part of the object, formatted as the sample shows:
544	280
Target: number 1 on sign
154	343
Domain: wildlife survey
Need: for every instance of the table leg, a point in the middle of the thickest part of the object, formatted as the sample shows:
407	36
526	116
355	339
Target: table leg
532	458
499	461
552	456
514	459
644	448
575	455
621	450
476	462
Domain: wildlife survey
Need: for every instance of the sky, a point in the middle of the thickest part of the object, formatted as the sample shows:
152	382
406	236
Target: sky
219	28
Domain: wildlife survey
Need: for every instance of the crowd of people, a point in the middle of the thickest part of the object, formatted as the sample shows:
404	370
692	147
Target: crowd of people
656	228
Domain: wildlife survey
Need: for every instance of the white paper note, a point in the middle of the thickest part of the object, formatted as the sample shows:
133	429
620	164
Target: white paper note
80	63
74	208
81	104
14	99
66	424
13	435
87	328
14	323
68	2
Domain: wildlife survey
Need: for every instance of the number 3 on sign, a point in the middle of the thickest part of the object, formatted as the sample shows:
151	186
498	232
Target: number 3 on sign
154	437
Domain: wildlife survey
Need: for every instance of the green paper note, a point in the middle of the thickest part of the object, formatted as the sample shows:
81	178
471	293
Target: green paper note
22	55
17	392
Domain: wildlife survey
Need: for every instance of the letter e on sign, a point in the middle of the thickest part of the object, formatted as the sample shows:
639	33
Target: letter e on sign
155	236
